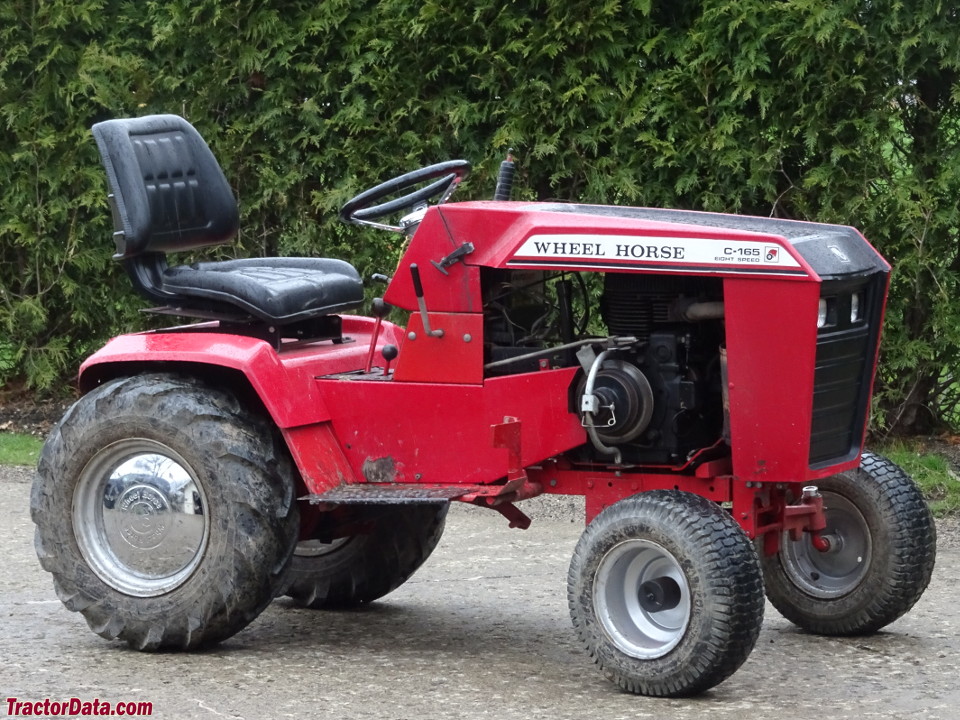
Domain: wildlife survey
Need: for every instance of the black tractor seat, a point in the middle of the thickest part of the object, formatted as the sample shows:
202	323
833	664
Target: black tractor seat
168	194
277	290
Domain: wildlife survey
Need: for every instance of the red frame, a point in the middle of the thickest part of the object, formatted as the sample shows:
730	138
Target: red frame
439	422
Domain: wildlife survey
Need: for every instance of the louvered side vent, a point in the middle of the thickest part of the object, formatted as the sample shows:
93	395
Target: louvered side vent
846	347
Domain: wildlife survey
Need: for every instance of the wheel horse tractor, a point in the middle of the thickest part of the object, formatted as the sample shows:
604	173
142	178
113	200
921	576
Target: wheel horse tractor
714	425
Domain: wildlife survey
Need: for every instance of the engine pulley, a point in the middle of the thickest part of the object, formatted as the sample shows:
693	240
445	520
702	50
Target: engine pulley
623	402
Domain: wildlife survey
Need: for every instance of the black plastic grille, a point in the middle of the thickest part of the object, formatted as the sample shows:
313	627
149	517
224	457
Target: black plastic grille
844	371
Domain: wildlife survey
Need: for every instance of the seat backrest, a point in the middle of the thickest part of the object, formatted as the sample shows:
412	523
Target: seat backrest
167	191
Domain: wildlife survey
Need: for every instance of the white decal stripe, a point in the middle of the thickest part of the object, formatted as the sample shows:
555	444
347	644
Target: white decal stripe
760	270
626	249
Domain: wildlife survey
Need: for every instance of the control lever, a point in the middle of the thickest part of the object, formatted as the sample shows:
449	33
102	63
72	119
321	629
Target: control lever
418	291
389	353
381	310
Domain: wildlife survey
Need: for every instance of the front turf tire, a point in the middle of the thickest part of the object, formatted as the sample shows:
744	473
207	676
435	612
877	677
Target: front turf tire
883	548
666	594
164	511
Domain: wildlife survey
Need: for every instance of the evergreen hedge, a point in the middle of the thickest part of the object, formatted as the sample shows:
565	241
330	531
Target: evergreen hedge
834	110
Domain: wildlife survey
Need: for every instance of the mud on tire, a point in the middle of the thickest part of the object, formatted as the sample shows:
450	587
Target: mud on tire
366	566
883	550
164	511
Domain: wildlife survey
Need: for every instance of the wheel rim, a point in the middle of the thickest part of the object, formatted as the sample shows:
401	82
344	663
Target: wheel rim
839	570
627	577
317	548
140	517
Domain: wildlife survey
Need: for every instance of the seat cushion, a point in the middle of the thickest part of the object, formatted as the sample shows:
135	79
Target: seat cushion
278	290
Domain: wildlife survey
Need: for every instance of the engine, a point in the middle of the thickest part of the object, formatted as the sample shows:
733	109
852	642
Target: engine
660	397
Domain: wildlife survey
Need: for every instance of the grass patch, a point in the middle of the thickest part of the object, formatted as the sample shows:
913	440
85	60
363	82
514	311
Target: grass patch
16	449
939	484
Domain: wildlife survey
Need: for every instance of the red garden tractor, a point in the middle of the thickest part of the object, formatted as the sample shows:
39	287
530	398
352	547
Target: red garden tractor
703	381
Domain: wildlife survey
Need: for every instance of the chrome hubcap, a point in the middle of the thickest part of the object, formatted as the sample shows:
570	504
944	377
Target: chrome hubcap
642	598
140	517
843	566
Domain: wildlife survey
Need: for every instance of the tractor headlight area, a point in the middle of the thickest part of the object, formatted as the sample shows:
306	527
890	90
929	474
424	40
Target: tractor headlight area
856	307
827	312
843	310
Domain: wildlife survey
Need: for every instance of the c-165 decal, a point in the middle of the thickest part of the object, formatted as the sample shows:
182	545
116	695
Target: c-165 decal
652	252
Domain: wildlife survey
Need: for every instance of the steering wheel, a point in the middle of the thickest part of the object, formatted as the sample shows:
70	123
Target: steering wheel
363	209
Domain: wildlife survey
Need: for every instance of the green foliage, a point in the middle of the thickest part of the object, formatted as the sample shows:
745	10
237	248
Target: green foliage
56	282
834	110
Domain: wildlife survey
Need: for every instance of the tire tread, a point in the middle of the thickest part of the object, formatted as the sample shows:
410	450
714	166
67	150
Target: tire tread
371	565
901	511
256	483
733	587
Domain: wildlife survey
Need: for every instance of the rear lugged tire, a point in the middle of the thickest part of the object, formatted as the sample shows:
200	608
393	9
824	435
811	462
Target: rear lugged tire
164	511
363	567
882	551
666	593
